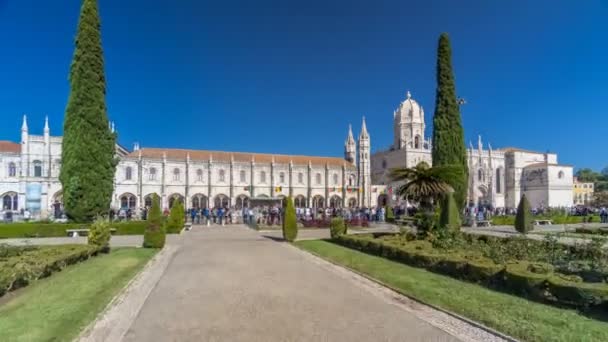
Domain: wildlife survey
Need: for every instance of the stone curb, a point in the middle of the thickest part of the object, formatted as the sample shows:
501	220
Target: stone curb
403	299
116	319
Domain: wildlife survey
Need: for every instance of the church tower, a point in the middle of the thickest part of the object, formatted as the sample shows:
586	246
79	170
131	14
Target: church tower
350	148
408	125
363	167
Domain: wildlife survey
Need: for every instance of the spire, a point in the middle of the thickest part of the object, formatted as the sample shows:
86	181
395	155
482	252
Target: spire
364	134
479	143
24	125
112	127
46	125
350	138
409	95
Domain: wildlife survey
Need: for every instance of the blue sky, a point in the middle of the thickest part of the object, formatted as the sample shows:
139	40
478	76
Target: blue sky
288	77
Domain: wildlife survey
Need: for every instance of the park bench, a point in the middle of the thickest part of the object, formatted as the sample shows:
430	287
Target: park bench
405	221
484	223
84	231
542	222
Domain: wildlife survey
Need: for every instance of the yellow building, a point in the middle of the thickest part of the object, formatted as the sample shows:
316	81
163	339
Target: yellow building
583	192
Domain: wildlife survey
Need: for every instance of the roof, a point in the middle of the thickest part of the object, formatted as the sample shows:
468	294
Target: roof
9	146
181	154
546	164
516	149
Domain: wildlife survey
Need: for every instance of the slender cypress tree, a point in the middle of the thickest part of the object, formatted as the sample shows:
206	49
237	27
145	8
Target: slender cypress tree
448	134
87	173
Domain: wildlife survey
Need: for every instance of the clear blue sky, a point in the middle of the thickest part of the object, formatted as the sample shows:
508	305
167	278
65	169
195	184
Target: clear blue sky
288	77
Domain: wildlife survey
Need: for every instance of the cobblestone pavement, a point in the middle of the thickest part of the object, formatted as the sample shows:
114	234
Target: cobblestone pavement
232	284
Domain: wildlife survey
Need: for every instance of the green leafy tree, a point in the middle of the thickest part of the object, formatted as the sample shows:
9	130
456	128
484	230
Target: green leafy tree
176	219
88	163
290	222
337	227
448	134
99	234
449	219
154	235
425	185
523	219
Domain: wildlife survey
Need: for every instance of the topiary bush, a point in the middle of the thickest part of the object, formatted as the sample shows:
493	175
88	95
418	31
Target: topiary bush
176	219
390	215
337	227
290	221
154	236
523	219
449	219
99	234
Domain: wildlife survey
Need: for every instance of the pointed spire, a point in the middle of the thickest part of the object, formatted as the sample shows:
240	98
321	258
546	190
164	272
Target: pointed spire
24	125
46	125
112	127
409	95
479	143
350	139
364	134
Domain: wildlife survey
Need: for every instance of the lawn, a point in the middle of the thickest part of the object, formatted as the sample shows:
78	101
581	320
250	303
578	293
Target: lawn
59	307
515	316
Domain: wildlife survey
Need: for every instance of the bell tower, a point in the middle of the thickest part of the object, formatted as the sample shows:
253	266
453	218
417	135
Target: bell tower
363	167
350	147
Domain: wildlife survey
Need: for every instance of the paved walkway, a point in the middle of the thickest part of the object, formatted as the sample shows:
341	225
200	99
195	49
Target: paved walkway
233	284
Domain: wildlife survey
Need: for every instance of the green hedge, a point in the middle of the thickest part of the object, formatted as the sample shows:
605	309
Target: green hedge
534	280
36	229
557	219
586	230
20	266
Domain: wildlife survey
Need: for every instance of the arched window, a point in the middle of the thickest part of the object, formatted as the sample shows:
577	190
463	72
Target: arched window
263	177
10	201
152	174
199	175
282	177
222	175
318	178
176	174
12	170
351	180
37	168
560	175
128	201
300	178
128	173
498	181
384	164
335	178
480	175
243	176
148	200
417	142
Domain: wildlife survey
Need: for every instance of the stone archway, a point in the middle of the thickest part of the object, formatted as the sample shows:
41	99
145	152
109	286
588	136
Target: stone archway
128	201
221	201
352	203
382	200
318	201
335	202
242	201
300	201
175	197
199	201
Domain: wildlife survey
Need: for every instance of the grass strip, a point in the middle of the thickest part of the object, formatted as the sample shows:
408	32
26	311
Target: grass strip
514	316
59	307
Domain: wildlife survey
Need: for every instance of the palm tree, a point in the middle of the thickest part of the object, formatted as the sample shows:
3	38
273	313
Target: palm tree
425	184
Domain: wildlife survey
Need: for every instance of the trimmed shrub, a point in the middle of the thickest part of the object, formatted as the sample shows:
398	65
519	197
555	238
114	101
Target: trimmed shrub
390	215
290	221
449	219
523	219
571	290
482	270
527	279
176	220
154	236
337	227
20	266
99	234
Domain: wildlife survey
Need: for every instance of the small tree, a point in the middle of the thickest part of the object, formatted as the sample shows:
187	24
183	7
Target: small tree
337	227
450	217
523	220
99	234
390	216
290	222
176	219
154	236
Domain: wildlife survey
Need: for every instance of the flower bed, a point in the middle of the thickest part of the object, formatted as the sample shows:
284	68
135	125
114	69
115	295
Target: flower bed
21	265
573	276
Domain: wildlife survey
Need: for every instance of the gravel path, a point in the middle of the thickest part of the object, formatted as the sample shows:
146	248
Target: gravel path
233	284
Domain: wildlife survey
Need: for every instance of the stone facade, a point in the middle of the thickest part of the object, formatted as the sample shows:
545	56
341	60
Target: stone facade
497	177
583	192
29	174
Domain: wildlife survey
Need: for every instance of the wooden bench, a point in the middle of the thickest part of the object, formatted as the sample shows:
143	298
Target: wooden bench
84	231
406	221
484	223
542	222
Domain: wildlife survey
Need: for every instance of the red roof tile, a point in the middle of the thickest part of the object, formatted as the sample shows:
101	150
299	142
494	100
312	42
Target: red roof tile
9	146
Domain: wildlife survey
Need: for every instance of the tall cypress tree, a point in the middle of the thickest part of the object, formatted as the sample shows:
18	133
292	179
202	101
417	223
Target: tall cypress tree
87	173
448	135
